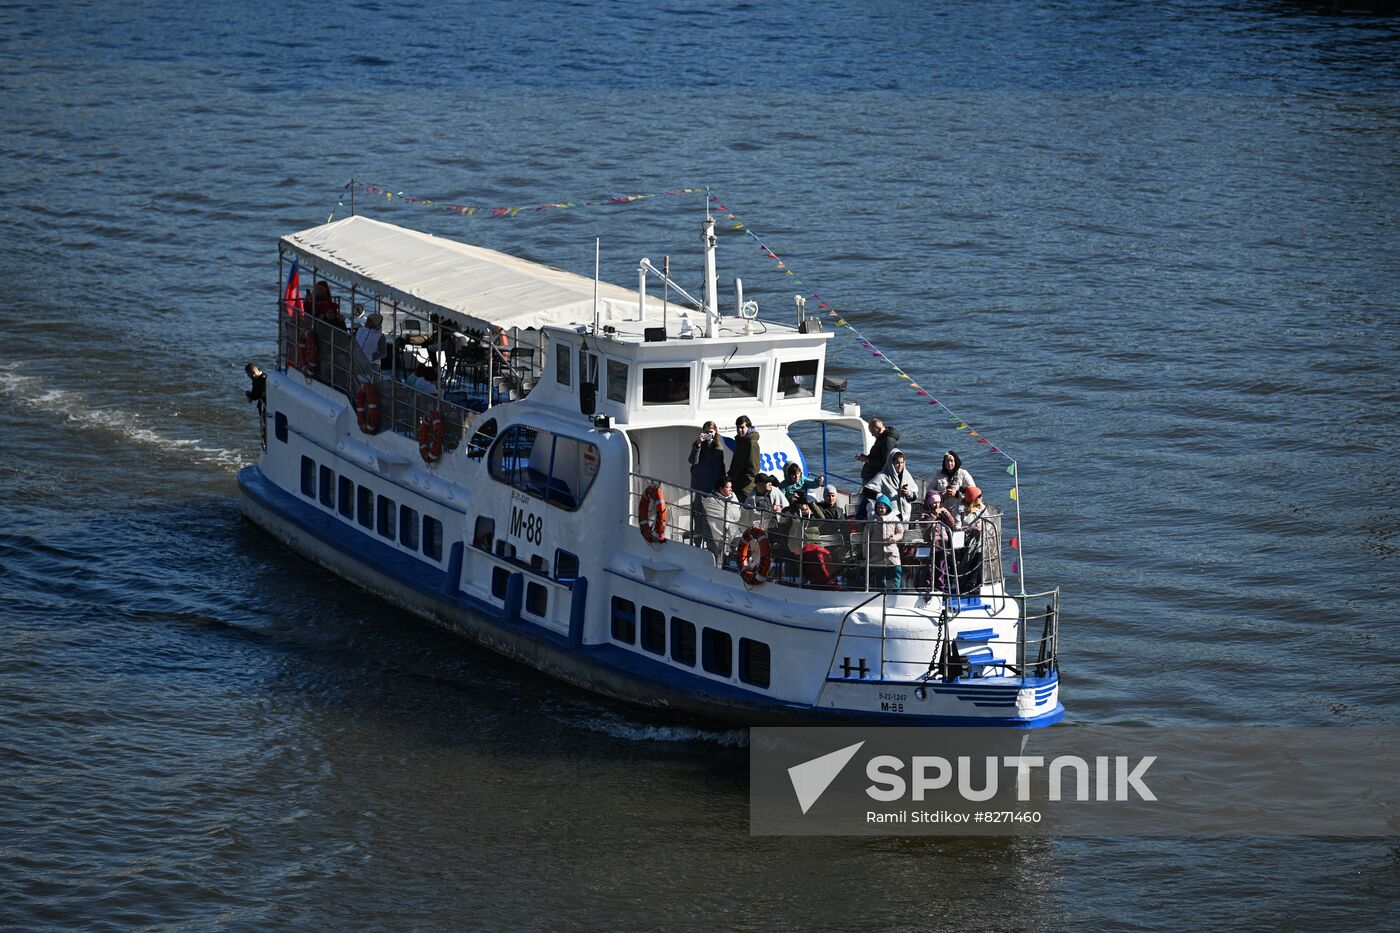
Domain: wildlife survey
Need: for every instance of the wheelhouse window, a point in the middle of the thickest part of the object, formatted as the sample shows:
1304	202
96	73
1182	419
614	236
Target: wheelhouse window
558	469
740	382
563	357
668	385
617	381
797	379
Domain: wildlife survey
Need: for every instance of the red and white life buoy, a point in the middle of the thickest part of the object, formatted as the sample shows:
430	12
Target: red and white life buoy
756	572
651	514
430	437
367	408
308	353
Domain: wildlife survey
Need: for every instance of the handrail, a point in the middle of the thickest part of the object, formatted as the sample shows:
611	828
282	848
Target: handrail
945	644
840	552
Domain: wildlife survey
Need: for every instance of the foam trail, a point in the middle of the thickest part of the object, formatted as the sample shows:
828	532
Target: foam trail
36	393
728	738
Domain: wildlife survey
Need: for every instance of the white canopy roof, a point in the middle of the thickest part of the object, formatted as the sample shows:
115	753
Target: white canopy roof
476	286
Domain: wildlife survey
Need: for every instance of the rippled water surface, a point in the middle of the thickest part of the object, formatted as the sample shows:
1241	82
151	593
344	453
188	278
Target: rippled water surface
1151	249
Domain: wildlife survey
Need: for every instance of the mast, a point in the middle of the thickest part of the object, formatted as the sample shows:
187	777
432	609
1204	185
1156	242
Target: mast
711	285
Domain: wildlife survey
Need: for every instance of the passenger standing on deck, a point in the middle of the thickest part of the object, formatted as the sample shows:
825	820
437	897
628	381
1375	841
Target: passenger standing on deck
976	525
706	459
885	439
257	391
744	466
717	518
883	535
952	479
370	341
896	482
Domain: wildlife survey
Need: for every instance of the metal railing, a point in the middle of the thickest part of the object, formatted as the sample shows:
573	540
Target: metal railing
341	365
836	552
950	656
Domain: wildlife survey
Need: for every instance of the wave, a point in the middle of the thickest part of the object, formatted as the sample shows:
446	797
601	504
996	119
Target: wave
36	393
637	732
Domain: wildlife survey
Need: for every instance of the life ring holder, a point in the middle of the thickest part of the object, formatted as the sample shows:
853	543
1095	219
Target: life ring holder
755	573
308	353
367	408
651	514
430	437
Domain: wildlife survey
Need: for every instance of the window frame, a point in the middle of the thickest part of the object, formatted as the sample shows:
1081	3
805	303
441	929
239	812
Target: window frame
689	379
709	637
405	524
431	534
757	384
621	374
778	394
563	364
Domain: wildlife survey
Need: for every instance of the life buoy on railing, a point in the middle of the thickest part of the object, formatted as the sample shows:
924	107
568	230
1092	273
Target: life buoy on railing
651	514
308	353
430	437
367	408
757	572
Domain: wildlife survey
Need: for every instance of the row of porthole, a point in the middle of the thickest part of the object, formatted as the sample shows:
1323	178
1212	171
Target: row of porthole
374	512
716	653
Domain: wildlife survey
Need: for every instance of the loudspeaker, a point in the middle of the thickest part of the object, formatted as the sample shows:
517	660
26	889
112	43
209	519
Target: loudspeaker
654	334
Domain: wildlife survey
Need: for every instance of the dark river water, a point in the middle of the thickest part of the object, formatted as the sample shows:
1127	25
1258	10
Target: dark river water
1151	249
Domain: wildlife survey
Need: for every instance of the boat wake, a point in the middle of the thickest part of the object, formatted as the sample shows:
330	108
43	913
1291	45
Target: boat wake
35	393
633	732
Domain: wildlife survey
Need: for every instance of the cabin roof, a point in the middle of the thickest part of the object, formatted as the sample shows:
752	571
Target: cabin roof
471	284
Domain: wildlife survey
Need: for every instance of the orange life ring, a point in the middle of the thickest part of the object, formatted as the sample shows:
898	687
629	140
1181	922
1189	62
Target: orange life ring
758	572
367	408
430	437
653	527
308	353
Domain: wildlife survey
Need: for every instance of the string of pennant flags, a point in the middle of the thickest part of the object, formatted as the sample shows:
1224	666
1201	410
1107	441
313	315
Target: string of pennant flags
838	318
477	210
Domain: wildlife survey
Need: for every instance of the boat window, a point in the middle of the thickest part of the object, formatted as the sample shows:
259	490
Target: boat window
500	577
387	514
328	487
347	497
565	567
279	427
365	506
308	477
682	641
797	379
717	652
563	357
668	385
617	381
536	599
741	382
755	662
653	630
432	537
624	620
408	527
481	439
484	534
556	468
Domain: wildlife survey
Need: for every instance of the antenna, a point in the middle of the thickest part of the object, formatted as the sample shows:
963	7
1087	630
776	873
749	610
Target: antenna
597	253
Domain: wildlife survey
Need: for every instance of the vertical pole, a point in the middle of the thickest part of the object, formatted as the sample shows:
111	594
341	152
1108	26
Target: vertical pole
597	255
352	197
1020	541
824	467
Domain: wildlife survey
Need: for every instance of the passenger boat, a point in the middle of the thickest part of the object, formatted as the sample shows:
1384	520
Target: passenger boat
515	469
